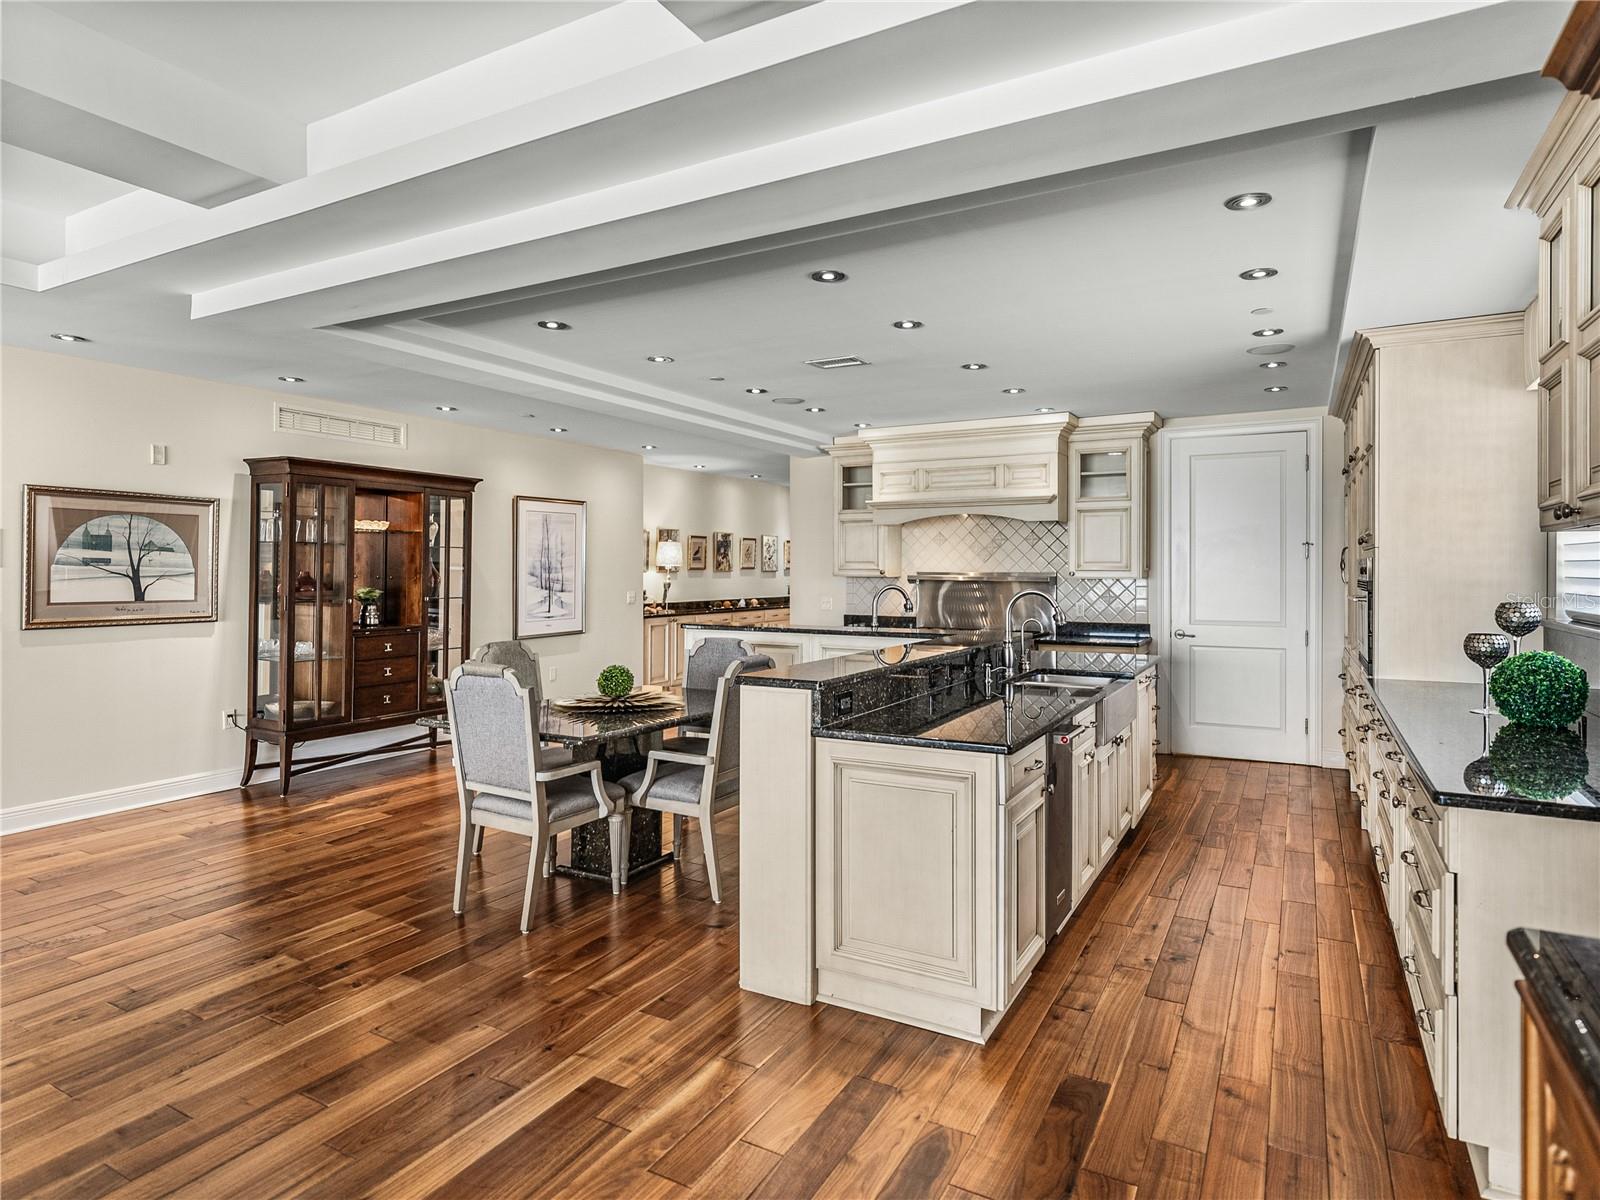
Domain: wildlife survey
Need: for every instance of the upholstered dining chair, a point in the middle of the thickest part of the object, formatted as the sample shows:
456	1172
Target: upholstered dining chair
707	662
699	784
503	782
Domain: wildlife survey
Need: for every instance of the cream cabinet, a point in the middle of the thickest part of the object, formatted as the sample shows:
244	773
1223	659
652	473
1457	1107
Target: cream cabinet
1108	496
860	546
1558	185
1144	743
1108	803
1024	893
662	651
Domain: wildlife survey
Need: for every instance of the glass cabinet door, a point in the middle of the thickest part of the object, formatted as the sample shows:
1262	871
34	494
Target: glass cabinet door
319	591
1103	475
445	587
266	676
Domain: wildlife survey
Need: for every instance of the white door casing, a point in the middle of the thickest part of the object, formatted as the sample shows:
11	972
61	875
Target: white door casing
1241	536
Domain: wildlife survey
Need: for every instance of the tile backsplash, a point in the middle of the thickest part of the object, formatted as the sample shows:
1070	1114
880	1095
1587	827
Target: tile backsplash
995	544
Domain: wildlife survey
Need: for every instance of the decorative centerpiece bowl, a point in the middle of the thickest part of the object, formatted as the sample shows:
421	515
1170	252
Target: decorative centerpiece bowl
639	700
1540	688
1518	618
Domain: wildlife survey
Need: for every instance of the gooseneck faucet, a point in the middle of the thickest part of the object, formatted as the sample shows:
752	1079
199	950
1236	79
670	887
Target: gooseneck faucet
1011	653
885	590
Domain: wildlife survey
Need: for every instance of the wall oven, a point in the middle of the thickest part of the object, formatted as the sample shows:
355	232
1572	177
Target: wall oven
1359	623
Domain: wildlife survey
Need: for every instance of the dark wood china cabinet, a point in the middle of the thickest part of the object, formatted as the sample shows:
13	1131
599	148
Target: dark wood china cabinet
322	661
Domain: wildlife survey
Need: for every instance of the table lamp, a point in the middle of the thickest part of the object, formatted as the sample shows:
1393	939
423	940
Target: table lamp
669	558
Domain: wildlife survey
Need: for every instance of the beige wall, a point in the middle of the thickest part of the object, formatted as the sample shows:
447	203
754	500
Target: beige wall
140	709
817	595
694	502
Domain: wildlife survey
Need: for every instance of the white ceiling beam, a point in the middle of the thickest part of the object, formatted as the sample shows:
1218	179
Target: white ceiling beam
70	82
1283	66
616	39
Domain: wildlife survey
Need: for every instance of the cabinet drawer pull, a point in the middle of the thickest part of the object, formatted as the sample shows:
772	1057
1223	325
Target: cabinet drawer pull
386	698
1423	815
1035	765
1377	853
388	647
1342	731
1425	1021
1383	877
387	672
1406	784
1396	801
1393	755
1420	899
1409	962
1350	754
1363	728
1409	857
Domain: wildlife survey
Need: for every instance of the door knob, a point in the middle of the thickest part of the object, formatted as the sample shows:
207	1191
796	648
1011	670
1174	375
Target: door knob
1179	633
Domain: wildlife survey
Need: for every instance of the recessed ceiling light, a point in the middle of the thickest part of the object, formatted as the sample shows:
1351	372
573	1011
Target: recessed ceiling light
787	400
863	425
657	358
908	324
815	409
290	379
718	378
1245	201
445	407
699	466
755	477
1265	332
1273	365
558	429
1013	391
974	366
1258	273
69	337
1044	408
647	446
757	391
829	276
554	325
1277	387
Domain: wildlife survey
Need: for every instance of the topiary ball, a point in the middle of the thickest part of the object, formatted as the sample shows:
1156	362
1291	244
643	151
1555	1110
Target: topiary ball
1542	764
615	681
1540	688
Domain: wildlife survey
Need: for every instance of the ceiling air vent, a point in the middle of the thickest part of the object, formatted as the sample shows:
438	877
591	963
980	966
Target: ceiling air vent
304	420
828	364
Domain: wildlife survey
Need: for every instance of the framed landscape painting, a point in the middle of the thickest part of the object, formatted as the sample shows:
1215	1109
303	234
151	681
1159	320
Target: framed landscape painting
769	553
97	557
722	552
697	552
549	557
747	554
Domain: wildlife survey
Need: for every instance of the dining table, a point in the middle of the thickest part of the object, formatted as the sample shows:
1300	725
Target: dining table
622	742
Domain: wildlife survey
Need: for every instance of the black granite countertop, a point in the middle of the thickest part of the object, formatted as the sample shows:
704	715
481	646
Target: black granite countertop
1563	974
842	630
683	608
1471	761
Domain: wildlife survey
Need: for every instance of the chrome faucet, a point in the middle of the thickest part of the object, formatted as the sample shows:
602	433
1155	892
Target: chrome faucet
885	590
1011	651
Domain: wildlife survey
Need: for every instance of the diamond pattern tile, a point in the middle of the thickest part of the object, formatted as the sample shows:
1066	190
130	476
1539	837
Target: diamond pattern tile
980	544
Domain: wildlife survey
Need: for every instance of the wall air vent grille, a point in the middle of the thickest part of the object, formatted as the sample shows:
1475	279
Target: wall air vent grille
348	429
828	364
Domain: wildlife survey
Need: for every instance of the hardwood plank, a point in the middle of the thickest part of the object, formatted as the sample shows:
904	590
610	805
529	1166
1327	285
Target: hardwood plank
927	1165
1358	1167
1295	1177
1174	970
1247	1048
1339	974
1057	1147
826	1140
1236	1157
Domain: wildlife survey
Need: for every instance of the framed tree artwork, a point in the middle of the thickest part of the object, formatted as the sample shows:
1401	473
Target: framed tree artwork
549	557
722	552
697	552
769	553
747	554
96	557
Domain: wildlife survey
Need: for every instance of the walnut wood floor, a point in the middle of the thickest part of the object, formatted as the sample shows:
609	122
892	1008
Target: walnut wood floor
238	996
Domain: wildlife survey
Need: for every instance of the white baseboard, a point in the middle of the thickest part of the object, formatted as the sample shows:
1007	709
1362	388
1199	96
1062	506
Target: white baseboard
20	817
1333	760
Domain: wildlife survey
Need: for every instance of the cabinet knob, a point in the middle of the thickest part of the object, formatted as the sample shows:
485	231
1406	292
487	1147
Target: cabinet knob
1409	857
1422	815
387	671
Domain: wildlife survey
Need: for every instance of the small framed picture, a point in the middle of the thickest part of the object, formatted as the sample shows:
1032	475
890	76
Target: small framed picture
646	549
722	552
97	557
697	552
769	553
549	554
788	561
747	554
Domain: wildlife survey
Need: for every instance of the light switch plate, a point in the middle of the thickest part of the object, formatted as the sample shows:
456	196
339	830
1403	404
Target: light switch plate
630	597
826	604
158	454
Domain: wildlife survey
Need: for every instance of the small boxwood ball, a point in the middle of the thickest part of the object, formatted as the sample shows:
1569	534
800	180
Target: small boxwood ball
1543	764
1540	688
615	681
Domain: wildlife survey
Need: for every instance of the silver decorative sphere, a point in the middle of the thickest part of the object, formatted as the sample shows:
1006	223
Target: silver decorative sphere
1486	649
1519	618
1480	779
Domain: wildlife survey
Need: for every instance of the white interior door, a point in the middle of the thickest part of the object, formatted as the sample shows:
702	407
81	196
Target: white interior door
1238	639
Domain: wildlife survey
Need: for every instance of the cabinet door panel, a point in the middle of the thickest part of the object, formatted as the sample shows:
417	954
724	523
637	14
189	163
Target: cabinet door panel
658	646
1553	448
1102	540
1586	427
1025	894
1085	823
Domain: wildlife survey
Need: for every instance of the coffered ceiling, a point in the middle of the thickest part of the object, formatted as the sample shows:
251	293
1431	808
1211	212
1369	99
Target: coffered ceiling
386	198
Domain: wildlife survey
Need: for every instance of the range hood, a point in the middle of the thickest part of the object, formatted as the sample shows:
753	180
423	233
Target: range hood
1016	467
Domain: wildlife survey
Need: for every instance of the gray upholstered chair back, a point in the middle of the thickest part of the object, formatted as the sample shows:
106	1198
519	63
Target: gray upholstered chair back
492	722
710	659
725	721
524	664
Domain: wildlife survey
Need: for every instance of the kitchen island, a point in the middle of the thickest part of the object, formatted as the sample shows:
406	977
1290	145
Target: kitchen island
894	835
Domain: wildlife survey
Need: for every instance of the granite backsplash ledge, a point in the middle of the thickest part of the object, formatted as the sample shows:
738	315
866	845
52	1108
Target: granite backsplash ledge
984	544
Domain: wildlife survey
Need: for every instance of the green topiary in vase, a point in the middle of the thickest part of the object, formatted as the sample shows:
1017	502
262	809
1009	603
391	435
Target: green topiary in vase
615	681
1540	688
